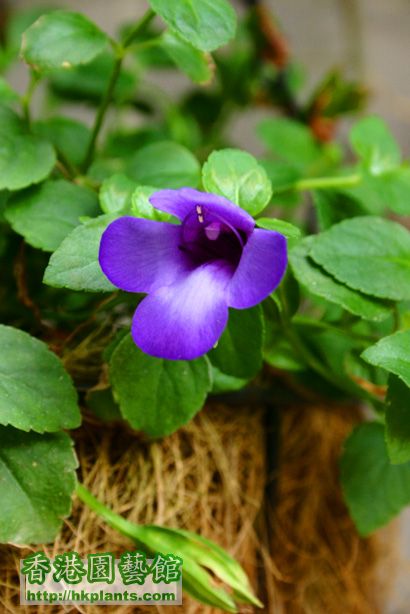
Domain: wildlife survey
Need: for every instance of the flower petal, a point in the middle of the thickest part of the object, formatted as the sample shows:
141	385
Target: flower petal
181	202
260	270
185	320
139	255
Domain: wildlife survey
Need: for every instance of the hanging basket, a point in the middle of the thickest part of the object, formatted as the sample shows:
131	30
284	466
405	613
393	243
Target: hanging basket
284	521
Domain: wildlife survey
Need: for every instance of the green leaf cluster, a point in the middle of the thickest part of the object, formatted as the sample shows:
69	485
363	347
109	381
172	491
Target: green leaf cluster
355	272
37	462
62	182
338	325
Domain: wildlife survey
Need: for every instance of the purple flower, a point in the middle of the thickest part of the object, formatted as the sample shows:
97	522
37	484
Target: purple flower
193	271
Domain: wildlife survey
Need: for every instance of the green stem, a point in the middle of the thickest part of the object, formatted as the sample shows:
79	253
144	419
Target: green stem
99	119
300	348
139	27
144	536
106	100
26	98
310	359
70	168
148	44
311	323
322	183
114	520
396	317
63	170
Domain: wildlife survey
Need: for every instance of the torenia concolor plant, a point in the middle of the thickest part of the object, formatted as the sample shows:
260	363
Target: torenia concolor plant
144	245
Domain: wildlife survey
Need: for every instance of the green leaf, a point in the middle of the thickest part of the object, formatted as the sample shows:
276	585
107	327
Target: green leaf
141	207
164	165
237	175
115	194
369	254
197	581
89	82
203	559
206	24
201	551
374	490
285	228
291	141
290	296
196	64
102	404
44	215
61	39
279	353
398	421
396	190
225	567
4	198
390	190
375	145
283	176
7	94
393	354
24	158
332	207
75	263
157	396
239	350
356	367
70	137
332	347
221	382
103	168
35	391
37	479
17	22
315	280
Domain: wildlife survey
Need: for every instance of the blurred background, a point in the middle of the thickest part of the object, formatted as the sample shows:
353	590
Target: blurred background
368	40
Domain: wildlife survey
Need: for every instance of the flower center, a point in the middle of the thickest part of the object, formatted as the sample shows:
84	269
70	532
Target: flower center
207	236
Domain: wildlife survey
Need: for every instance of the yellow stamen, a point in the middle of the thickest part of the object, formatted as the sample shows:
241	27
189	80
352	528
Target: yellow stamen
200	215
